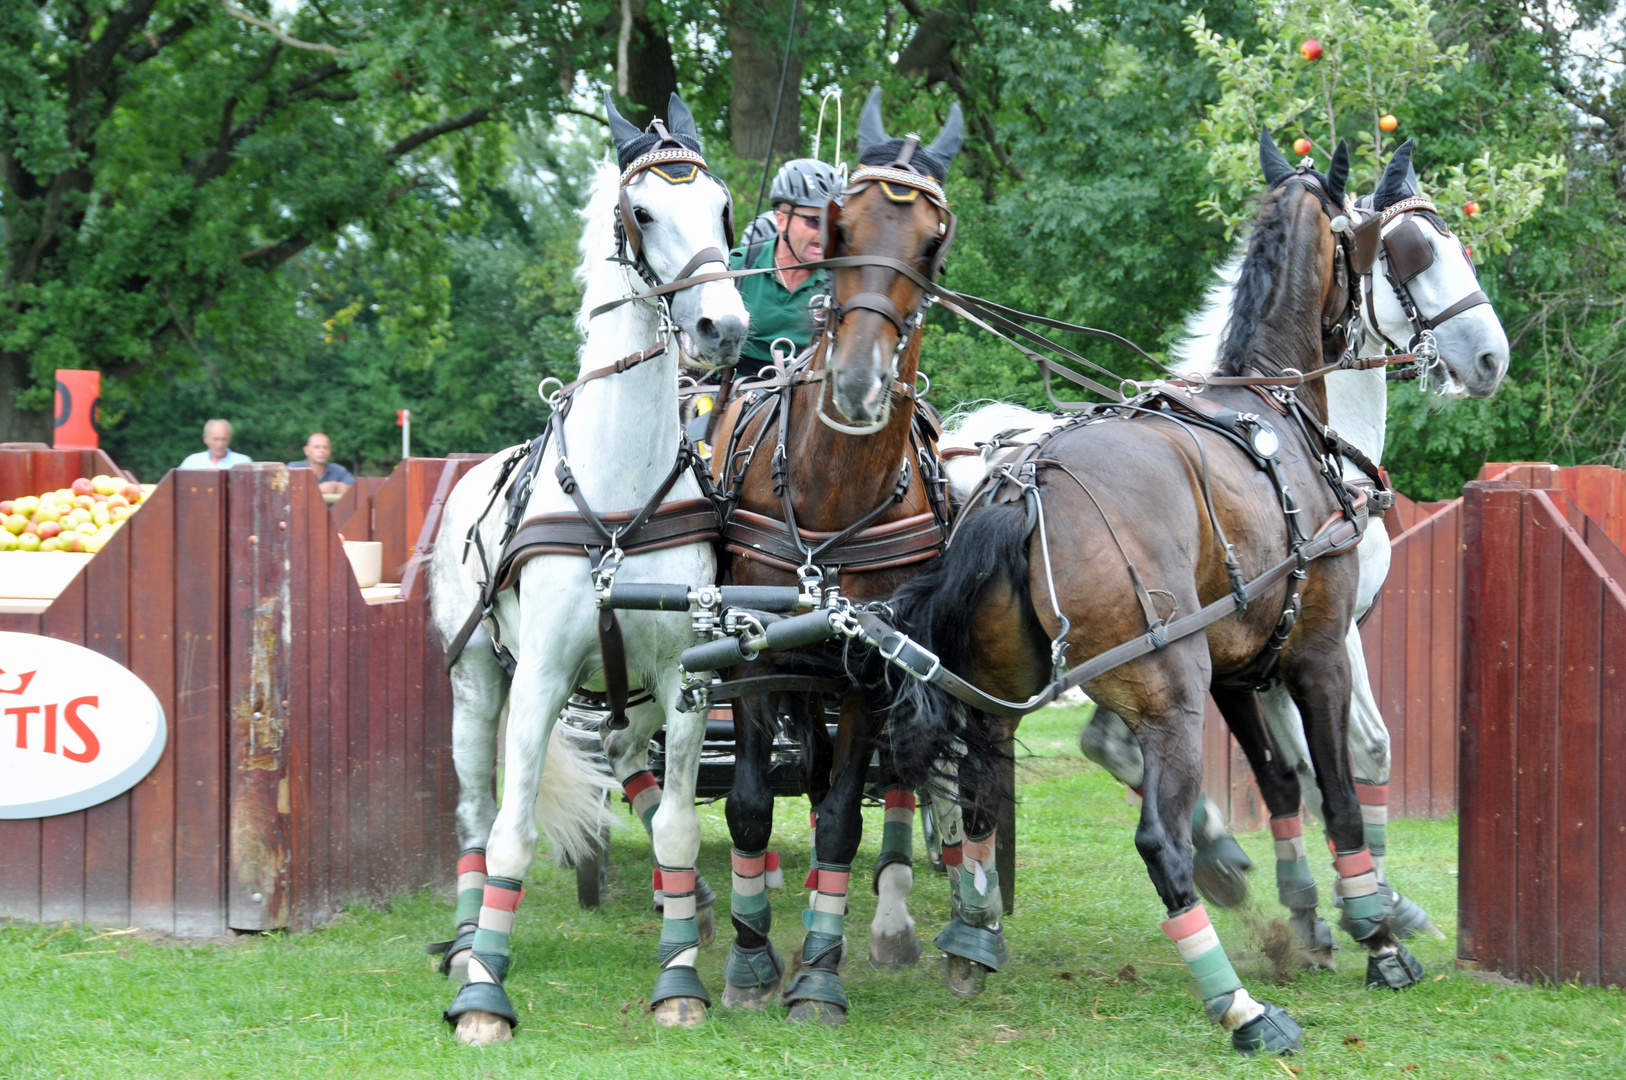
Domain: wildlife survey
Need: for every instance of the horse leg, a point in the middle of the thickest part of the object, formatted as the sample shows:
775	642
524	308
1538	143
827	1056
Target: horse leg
481	1011
479	686
1221	865
628	753
679	998
1172	748
892	941
753	969
814	991
1321	691
1279	784
973	943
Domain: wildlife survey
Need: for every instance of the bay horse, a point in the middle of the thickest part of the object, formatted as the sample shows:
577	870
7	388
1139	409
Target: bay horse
833	485
614	445
1131	524
1418	286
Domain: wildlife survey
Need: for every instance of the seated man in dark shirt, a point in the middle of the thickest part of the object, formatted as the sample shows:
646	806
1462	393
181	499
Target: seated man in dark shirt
331	479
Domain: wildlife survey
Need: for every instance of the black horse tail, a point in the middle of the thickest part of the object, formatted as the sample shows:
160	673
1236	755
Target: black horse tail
935	737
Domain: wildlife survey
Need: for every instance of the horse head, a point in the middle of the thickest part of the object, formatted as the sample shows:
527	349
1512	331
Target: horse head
894	209
676	220
1419	264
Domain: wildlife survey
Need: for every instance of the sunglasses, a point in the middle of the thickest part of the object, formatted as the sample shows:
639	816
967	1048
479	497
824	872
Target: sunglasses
812	221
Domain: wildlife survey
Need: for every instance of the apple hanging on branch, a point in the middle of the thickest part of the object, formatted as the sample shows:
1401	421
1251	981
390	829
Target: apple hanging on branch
1302	146
1311	49
1471	207
1387	122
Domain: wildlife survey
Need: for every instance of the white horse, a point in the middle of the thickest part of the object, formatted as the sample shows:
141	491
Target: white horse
1473	358
623	436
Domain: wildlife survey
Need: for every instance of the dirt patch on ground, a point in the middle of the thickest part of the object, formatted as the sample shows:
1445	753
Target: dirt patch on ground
1274	940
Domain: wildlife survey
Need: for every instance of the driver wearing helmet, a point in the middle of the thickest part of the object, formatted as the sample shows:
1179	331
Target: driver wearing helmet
786	235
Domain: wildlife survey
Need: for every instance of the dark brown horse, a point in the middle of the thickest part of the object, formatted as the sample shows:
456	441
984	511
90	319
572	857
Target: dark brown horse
1132	518
833	484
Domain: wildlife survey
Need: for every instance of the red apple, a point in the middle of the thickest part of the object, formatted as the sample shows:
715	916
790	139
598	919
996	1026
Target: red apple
84	501
1311	49
83	486
99	497
1302	146
1387	122
31	529
49	529
1470	252
6	509
131	493
1470	208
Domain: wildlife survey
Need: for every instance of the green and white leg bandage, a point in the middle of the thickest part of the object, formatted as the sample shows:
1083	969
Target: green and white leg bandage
471	886
980	902
1295	882
748	900
1224	999
490	958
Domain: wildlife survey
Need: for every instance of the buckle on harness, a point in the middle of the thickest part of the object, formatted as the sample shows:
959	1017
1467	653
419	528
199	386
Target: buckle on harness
919	662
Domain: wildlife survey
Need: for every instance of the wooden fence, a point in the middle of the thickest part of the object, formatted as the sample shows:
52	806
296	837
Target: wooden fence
1542	840
304	765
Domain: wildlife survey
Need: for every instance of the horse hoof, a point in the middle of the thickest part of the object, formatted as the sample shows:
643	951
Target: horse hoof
457	968
1219	870
679	1012
1272	1032
749	997
817	1012
1394	971
894	951
705	920
482	1029
965	978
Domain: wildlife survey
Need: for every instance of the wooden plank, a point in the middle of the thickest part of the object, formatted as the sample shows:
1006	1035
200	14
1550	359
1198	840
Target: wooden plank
20	868
1446	660
312	801
419	843
62	838
360	733
380	820
353	502
301	816
200	703
16	474
1487	840
258	558
1605	550
1392	702
1414	730
107	826
400	793
1579	782
340	585
428	529
152	658
1540	621
390	521
1612	795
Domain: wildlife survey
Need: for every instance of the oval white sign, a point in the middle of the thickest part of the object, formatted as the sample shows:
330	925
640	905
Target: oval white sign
76	728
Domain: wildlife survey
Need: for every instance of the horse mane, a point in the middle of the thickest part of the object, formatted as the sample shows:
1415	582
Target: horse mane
1269	296
1198	347
601	280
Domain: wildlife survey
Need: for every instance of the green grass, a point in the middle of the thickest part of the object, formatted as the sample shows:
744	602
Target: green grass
360	999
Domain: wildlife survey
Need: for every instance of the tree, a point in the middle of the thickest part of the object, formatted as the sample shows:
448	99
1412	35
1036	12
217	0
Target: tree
160	160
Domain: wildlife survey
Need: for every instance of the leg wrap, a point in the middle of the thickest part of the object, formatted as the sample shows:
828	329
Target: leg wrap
1272	1032
680	939
821	949
1374	800
748	901
1295	883
1357	887
471	886
644	794
897	834
954	866
773	876
980	903
1200	948
481	997
760	966
491	949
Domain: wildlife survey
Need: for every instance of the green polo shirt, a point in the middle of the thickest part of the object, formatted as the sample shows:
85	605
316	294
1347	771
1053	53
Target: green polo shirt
776	312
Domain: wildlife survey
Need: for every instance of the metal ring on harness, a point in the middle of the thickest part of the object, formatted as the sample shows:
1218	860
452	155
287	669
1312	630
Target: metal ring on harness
548	396
923	383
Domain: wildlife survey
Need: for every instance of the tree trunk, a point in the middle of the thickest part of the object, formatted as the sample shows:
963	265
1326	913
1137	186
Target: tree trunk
19	425
756	41
651	75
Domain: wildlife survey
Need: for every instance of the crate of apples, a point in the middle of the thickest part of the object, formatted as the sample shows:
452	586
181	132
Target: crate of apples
80	518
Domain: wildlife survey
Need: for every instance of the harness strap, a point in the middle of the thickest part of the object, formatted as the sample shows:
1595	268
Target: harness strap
1472	300
1339	536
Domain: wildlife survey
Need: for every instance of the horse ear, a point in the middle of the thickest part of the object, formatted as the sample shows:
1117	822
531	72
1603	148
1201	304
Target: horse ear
679	120
1270	158
1338	173
622	131
1398	179
948	141
870	132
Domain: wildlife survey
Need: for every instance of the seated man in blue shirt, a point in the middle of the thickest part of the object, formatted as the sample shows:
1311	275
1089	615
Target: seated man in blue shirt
220	455
331	479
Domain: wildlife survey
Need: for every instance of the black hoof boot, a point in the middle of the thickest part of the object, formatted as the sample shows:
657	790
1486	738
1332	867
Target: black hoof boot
1314	939
1271	1032
1220	871
1395	971
1406	919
